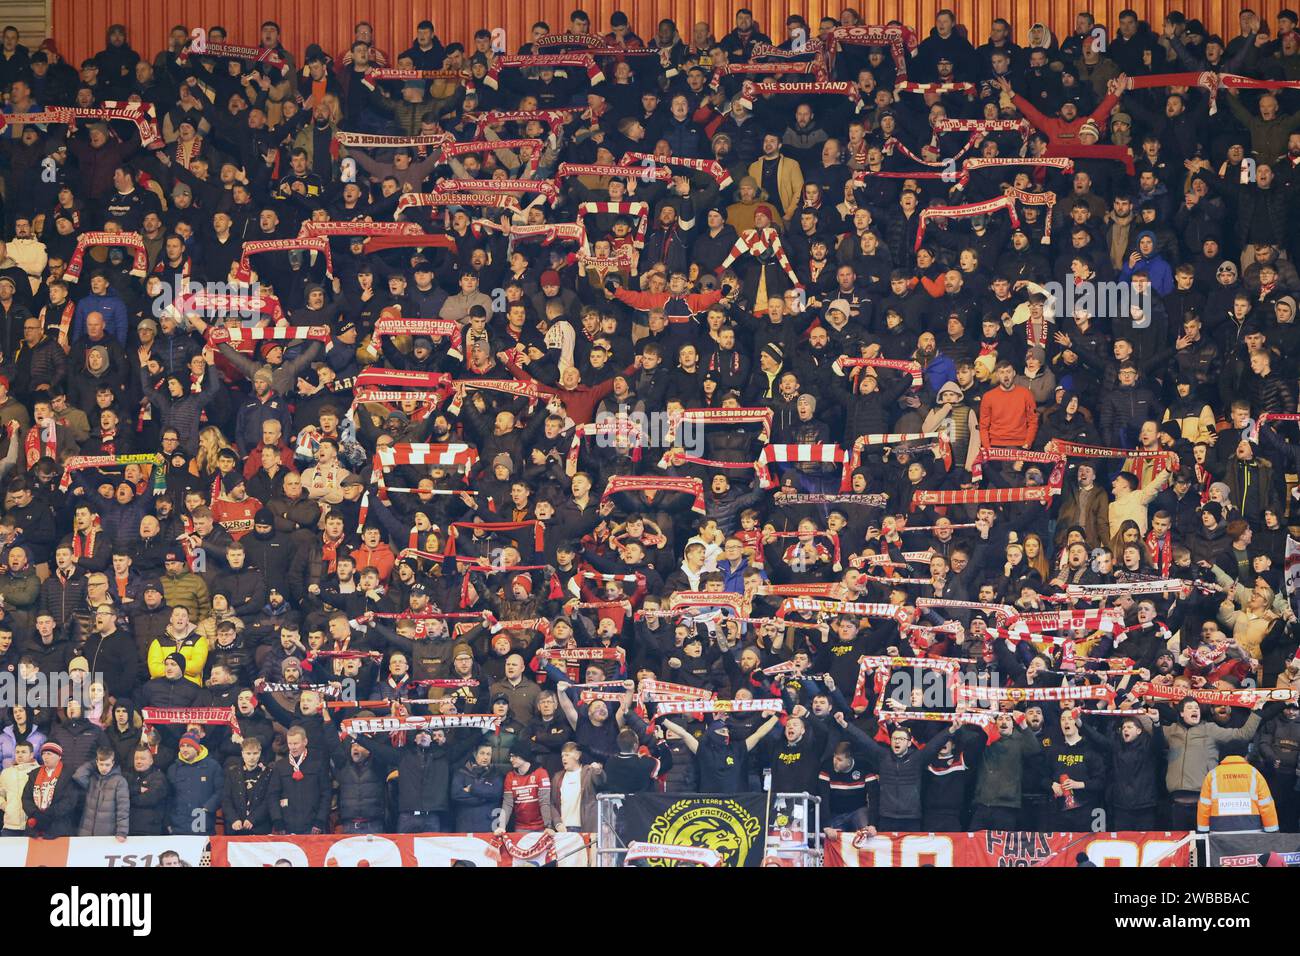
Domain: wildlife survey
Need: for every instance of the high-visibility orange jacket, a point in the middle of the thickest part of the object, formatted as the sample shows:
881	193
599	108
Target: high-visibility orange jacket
1235	799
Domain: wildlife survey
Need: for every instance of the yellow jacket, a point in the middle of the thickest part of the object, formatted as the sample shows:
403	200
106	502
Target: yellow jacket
1235	799
192	647
789	182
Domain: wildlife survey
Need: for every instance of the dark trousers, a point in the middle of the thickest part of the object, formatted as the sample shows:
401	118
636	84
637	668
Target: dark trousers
995	818
942	821
1132	819
425	822
1182	815
899	824
363	826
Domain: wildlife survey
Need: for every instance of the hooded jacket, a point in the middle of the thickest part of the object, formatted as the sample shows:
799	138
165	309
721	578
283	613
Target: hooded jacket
107	807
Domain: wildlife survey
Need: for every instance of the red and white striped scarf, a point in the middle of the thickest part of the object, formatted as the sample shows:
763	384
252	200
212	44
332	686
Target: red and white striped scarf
709	166
1100	591
268	333
1047	199
553	117
640	210
758	241
523	62
127	240
965	211
707	416
1003	613
827	454
907	86
925	498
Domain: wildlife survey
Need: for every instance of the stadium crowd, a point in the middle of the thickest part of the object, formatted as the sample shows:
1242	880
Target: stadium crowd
974	518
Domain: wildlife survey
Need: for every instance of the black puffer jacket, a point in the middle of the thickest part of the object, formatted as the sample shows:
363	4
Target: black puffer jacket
149	791
1134	769
362	788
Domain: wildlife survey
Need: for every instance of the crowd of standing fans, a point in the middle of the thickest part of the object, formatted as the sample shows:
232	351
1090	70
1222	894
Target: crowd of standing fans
899	443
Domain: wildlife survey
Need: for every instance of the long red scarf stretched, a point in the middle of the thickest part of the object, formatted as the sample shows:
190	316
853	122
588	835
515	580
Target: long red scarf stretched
553	117
584	60
219	306
233	51
689	486
317	244
81	462
925	498
965	211
312	228
734	416
222	716
907	86
1214	698
127	240
1116	154
417	722
812	67
952	125
431	328
1211	82
936	441
709	166
900	40
380	141
539	531
751	90
910	366
1055	479
268	333
989	695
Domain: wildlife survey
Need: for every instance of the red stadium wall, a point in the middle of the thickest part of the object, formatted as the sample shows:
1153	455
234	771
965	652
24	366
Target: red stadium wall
80	27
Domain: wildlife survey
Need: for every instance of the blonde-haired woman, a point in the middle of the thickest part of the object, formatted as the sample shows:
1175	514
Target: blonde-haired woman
211	442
